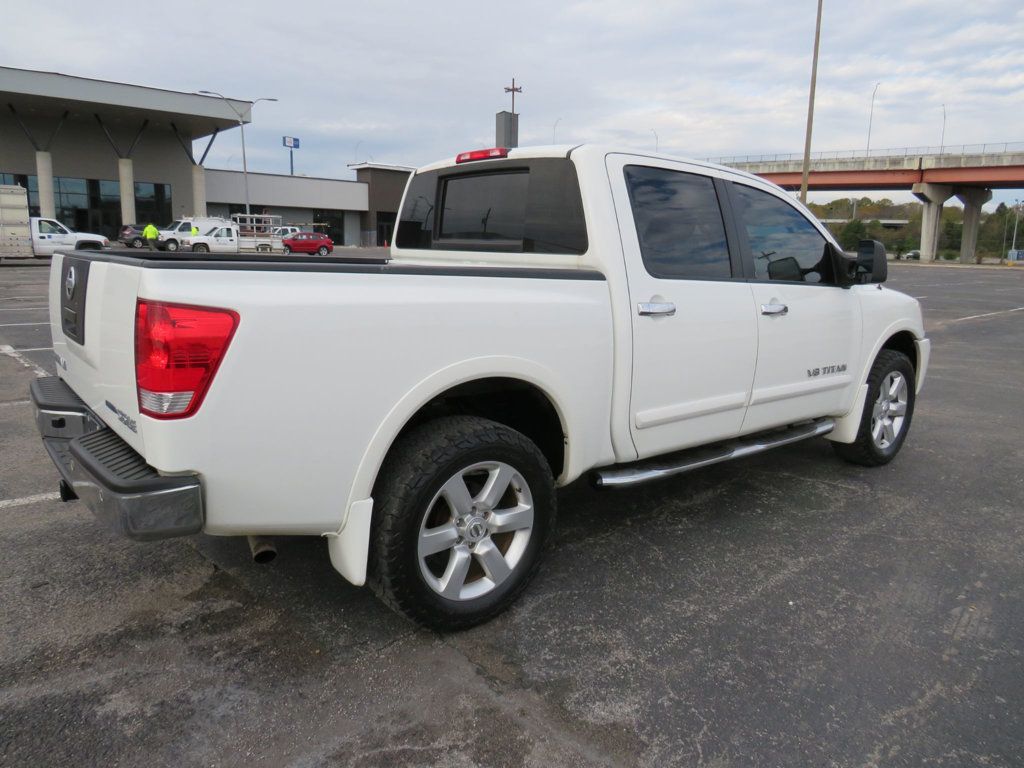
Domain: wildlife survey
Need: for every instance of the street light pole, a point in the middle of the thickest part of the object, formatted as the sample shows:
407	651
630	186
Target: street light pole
655	140
241	128
1016	221
871	117
942	140
553	127
810	109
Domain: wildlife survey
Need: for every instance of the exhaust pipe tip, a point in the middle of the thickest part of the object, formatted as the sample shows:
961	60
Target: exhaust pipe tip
263	549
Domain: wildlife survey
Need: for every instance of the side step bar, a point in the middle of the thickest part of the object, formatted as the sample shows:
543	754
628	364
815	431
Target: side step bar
624	475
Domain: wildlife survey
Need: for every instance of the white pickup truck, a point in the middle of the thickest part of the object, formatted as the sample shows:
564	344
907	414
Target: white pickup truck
546	313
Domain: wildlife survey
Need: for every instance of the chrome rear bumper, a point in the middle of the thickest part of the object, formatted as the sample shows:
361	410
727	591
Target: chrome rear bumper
114	481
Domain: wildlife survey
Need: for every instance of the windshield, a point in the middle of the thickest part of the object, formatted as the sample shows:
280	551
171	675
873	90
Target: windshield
173	225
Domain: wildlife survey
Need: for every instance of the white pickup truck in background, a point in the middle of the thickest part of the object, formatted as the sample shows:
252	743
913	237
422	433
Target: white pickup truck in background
23	235
546	313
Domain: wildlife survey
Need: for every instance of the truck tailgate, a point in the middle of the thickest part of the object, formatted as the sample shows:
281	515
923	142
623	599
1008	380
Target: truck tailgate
92	320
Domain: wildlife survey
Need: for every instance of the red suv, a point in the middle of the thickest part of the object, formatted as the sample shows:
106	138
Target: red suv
309	242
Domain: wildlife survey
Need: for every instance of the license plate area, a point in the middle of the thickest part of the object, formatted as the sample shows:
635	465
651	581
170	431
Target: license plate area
74	282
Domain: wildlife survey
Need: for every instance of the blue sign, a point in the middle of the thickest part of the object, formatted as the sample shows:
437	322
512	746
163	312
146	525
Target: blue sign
291	142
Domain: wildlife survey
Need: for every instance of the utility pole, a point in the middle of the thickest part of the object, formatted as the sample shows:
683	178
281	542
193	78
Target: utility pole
655	140
871	117
810	108
553	127
513	90
1016	221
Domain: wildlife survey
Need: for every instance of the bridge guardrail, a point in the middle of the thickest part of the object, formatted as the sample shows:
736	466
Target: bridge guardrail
999	148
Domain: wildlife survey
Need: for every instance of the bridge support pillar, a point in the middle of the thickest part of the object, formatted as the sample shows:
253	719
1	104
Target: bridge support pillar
972	198
933	196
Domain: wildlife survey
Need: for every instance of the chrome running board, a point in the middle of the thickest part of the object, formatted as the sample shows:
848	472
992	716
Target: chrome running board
623	475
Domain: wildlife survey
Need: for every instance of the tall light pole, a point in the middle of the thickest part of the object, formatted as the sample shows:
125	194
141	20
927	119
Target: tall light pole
1016	221
241	127
810	109
871	117
942	140
655	140
553	127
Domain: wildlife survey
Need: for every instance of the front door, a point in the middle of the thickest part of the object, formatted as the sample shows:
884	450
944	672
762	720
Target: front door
224	241
809	329
50	236
694	336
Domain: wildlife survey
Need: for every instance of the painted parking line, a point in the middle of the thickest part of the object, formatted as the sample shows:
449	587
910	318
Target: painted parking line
38	370
35	499
17	325
988	314
33	349
20	309
9	403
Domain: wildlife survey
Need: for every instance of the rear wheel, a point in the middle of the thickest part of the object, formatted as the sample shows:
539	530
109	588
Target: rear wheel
888	410
465	507
322	250
137	242
287	250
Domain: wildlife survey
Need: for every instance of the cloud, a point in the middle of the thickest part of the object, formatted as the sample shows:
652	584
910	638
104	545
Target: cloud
411	82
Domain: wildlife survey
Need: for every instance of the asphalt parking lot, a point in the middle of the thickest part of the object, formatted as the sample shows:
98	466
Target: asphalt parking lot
788	610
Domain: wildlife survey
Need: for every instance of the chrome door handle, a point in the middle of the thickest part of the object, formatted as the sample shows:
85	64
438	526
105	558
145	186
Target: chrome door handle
774	309
666	308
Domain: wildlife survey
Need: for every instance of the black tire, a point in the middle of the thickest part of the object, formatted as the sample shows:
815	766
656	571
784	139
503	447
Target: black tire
412	476
322	250
865	450
171	245
201	248
137	243
287	250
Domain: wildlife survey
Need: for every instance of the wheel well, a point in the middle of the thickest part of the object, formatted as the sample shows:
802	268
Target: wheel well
514	403
903	342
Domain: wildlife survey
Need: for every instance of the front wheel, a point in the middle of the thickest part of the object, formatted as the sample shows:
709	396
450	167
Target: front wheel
137	242
465	507
888	410
172	245
200	248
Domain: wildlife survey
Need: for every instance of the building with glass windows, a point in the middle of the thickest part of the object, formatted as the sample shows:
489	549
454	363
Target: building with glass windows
96	155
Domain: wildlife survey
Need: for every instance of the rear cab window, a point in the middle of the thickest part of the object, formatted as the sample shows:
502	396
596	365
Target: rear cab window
513	206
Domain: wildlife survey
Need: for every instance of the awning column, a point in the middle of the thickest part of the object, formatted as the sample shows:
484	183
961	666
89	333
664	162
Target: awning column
199	190
44	177
126	182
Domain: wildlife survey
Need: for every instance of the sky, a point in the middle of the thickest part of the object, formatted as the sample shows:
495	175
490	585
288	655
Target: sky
413	82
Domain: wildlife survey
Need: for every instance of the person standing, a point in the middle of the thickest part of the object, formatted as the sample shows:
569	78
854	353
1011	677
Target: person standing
150	234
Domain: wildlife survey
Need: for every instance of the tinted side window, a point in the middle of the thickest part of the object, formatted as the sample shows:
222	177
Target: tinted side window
783	243
486	207
679	224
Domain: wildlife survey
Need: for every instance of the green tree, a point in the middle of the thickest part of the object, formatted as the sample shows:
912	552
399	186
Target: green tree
851	234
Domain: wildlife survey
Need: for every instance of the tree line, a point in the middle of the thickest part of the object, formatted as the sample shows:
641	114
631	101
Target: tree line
863	218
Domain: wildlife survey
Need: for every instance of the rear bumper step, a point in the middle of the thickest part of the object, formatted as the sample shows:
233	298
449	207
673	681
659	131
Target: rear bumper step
686	461
105	472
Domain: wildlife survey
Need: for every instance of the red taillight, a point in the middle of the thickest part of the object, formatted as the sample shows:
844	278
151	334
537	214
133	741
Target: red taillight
481	154
177	351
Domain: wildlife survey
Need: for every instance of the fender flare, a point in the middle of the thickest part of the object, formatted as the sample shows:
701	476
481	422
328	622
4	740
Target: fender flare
349	546
849	424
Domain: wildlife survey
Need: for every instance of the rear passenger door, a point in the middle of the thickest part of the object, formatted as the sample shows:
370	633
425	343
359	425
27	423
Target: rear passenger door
694	331
809	329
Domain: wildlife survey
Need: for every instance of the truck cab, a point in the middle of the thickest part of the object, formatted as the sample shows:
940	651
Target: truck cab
175	234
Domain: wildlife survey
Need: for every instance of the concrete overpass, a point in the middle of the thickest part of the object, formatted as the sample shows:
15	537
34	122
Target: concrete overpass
933	174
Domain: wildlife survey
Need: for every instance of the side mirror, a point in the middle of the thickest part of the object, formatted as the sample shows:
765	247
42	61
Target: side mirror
872	265
843	267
